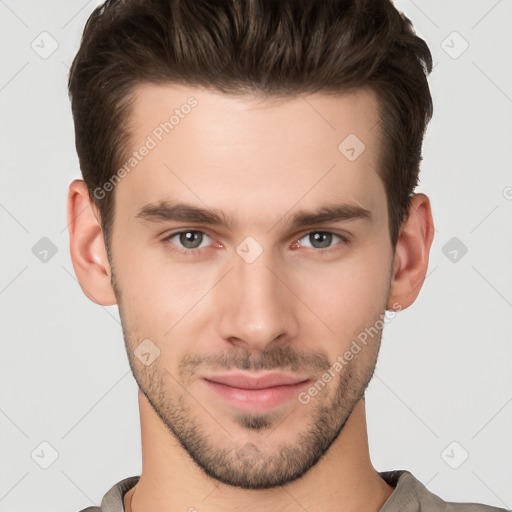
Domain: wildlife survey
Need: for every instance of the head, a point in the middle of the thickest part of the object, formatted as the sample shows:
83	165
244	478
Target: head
269	116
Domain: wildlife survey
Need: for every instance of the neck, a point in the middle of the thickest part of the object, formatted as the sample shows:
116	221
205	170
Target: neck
344	480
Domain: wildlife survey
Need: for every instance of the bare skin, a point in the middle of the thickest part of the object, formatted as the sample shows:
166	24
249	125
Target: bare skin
292	307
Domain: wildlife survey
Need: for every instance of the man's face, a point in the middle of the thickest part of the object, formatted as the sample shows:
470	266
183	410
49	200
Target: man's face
261	294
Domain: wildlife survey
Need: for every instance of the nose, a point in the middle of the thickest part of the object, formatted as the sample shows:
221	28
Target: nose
257	307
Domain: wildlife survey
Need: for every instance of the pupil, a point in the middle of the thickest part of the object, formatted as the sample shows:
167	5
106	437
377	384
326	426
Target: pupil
188	237
327	238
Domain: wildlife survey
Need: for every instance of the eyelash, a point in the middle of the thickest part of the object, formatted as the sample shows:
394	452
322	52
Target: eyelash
335	247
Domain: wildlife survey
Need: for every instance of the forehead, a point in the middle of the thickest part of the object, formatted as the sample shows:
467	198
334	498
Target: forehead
252	152
240	117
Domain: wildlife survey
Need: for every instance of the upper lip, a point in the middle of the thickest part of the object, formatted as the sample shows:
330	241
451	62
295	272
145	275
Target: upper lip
247	381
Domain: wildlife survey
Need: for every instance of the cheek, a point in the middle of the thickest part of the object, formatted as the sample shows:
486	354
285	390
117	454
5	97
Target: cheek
348	295
165	303
150	282
160	305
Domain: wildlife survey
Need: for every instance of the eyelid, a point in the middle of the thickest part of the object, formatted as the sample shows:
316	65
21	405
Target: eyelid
344	235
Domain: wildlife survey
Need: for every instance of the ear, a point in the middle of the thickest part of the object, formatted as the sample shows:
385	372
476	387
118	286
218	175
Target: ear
87	247
410	261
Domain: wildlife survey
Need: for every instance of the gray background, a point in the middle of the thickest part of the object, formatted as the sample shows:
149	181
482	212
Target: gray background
442	390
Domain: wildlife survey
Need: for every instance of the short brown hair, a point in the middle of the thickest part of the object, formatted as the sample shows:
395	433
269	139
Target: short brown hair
268	47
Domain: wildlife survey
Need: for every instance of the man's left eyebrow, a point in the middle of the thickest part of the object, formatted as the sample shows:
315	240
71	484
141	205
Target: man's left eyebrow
330	213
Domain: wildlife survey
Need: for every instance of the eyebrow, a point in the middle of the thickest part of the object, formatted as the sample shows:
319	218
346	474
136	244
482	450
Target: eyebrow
182	212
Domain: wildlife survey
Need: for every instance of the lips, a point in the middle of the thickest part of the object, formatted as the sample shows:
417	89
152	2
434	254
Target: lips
245	381
255	393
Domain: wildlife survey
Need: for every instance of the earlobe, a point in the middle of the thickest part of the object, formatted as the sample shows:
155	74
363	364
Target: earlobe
87	246
410	262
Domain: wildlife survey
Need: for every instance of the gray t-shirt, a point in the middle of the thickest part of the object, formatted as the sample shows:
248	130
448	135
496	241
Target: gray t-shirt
410	495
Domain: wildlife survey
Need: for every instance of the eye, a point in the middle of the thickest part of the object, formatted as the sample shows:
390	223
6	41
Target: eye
190	240
322	240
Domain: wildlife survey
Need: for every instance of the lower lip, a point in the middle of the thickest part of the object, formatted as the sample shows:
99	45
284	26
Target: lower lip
256	400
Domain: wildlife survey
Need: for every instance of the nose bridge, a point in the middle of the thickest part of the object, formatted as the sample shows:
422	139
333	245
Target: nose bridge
258	307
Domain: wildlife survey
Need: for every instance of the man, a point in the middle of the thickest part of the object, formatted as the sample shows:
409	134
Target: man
249	168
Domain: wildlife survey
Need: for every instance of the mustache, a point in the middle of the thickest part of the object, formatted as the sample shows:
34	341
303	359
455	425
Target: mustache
276	358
